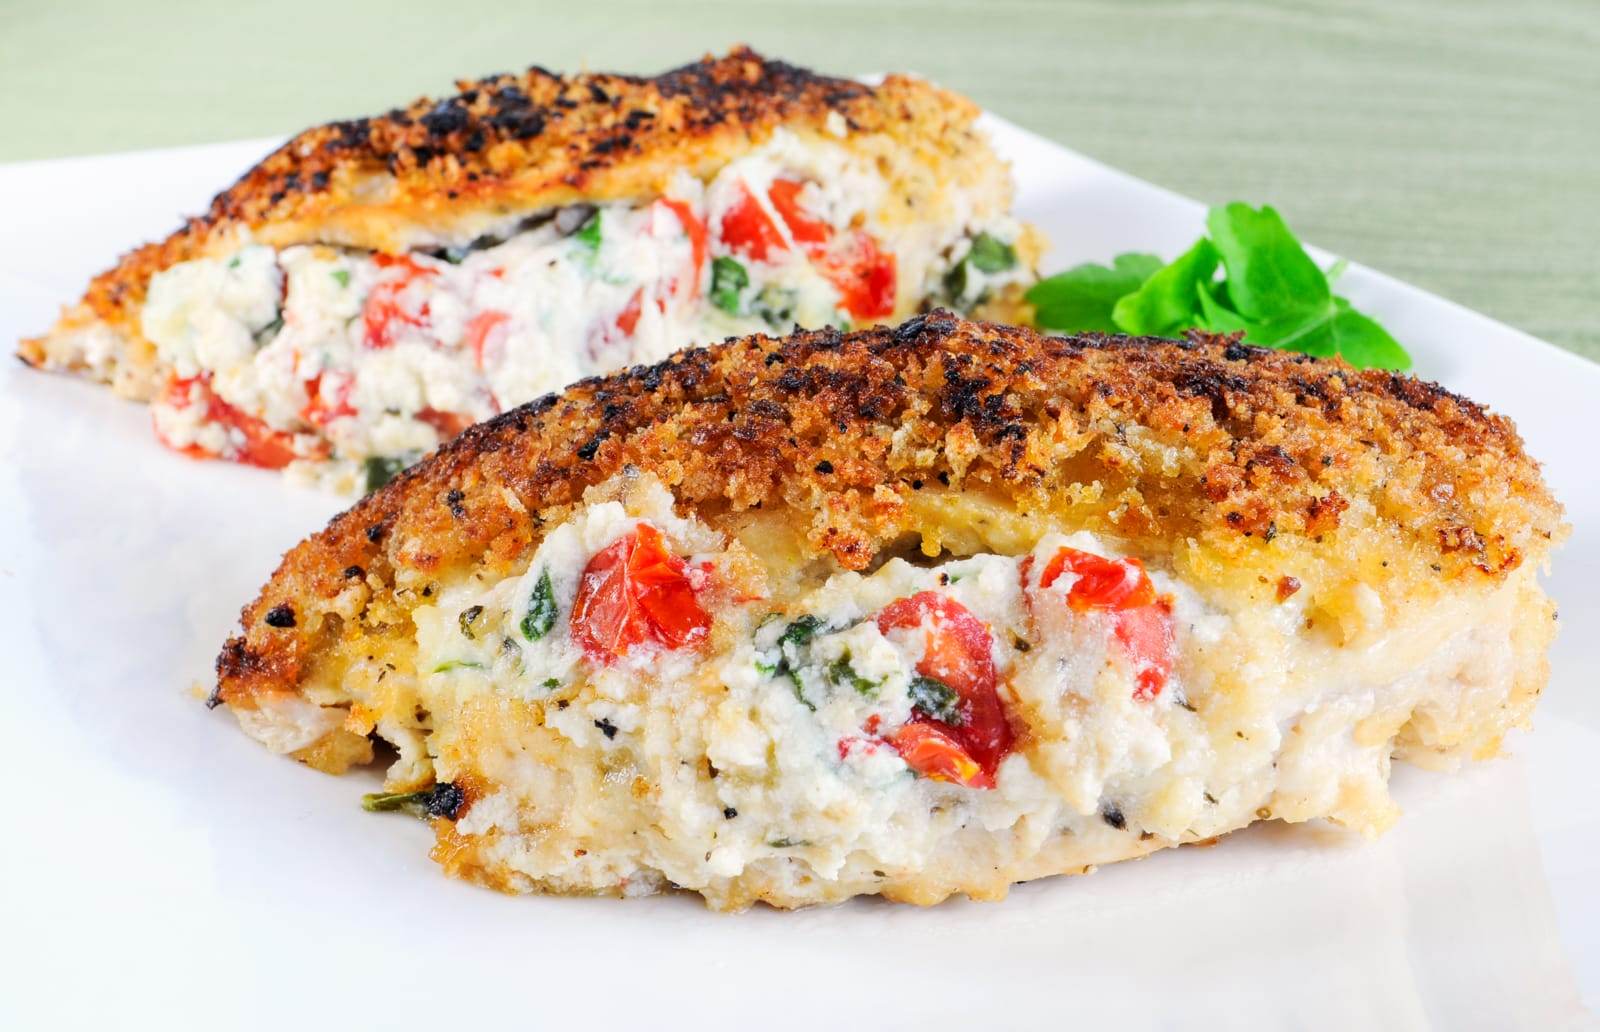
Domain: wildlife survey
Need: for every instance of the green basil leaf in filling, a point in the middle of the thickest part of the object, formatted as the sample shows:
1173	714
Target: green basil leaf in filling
841	672
800	631
934	699
990	254
728	278
380	469
541	609
588	235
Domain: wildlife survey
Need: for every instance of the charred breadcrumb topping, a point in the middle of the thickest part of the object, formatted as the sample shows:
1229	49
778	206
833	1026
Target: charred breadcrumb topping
1236	456
506	141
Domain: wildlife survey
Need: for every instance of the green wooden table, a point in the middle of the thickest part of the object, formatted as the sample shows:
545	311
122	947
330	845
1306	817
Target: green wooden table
1452	143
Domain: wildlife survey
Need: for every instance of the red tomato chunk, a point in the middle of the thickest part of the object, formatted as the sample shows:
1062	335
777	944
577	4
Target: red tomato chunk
636	592
262	445
388	304
957	651
1141	623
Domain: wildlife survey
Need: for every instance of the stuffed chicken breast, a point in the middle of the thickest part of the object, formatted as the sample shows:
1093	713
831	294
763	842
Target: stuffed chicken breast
912	612
375	286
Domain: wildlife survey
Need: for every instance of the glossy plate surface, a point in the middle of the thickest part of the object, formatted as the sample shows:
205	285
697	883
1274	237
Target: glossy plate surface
161	868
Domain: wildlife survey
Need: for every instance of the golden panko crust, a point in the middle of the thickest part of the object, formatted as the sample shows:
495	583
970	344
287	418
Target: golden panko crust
443	171
1230	464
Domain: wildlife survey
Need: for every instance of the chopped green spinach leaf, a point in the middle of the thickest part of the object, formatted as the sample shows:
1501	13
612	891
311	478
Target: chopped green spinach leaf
801	631
541	609
270	330
442	800
934	699
588	234
380	469
840	671
991	254
728	278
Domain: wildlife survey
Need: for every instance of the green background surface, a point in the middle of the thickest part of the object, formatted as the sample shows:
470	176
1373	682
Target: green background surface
1451	143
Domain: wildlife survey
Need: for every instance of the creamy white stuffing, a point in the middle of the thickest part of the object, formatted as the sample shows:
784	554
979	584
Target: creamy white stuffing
801	725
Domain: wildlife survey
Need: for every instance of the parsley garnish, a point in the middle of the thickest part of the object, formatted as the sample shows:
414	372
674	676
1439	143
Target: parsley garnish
1270	290
541	609
341	277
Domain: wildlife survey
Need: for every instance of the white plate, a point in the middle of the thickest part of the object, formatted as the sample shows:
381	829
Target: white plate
160	866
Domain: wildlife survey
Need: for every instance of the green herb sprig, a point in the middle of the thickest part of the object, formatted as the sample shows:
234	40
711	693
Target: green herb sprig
1269	289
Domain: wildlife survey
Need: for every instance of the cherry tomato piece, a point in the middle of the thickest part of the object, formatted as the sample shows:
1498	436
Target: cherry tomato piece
957	650
1141	622
933	753
262	445
324	406
449	424
1145	633
747	229
479	331
634	592
695	229
1102	583
865	278
628	318
811	234
385	305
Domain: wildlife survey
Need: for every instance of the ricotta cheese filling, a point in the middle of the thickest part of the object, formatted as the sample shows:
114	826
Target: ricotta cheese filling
348	366
874	716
